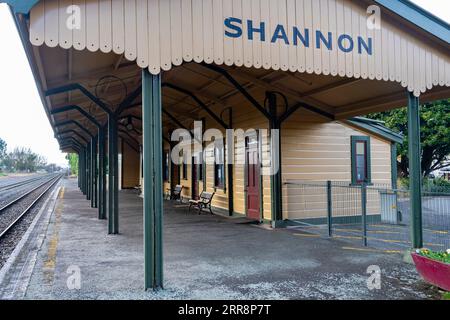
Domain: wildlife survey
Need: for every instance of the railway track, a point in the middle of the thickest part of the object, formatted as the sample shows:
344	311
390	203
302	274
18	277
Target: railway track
21	183
14	211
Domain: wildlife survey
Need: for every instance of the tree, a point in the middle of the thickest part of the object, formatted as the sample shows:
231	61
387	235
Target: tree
52	167
435	135
73	163
23	159
2	149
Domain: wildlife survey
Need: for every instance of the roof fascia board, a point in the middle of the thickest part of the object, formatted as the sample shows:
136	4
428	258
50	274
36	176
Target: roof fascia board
384	133
21	6
419	17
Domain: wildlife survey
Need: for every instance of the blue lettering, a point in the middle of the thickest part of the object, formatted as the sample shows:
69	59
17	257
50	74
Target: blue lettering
341	43
367	46
303	38
320	38
252	30
234	28
235	25
280	33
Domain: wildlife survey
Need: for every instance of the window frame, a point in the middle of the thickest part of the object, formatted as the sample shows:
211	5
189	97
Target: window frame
217	167
368	162
184	171
166	166
200	170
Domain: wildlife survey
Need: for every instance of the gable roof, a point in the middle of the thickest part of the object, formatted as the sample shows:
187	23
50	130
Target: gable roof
419	17
376	127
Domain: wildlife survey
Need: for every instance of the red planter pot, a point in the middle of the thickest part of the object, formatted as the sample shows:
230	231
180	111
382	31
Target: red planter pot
434	272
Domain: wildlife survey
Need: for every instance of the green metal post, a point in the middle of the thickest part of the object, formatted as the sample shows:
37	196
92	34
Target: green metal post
415	170
81	171
329	209
173	182
153	181
78	175
364	212
394	176
102	175
203	155
275	179
394	165
86	170
116	179
95	170
230	166
92	171
88	173
113	181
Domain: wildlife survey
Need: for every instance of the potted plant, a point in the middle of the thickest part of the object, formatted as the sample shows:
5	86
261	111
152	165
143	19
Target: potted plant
434	267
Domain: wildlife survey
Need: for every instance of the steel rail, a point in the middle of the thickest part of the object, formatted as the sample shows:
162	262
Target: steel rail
12	224
21	183
6	206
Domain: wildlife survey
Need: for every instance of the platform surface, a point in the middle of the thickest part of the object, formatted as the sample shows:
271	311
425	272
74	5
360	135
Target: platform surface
205	257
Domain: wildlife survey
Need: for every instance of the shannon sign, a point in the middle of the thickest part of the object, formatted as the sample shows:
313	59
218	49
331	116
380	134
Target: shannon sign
234	28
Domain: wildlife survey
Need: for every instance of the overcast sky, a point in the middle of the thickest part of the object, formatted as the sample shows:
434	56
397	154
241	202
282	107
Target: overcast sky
23	121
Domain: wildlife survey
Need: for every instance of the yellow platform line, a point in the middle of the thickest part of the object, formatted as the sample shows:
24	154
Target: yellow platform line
311	227
306	235
385	240
347	237
436	231
397	227
50	262
377	231
372	250
370	231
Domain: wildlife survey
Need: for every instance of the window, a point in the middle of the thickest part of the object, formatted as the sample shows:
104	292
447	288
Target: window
219	168
183	166
200	170
166	163
185	170
361	166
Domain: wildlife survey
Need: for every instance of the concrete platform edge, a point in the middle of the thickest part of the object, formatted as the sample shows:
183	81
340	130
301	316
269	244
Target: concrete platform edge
26	272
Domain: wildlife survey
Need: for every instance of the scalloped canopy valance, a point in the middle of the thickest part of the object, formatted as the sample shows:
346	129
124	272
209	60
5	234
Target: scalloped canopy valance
328	37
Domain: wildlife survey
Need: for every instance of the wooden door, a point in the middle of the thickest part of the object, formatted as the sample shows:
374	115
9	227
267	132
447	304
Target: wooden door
252	171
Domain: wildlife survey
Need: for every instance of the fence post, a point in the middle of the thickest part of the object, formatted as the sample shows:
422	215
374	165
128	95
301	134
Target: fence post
330	209
364	212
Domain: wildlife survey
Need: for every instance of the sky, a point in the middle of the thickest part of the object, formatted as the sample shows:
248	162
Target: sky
23	121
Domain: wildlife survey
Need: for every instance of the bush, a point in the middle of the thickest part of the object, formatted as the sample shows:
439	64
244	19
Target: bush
438	185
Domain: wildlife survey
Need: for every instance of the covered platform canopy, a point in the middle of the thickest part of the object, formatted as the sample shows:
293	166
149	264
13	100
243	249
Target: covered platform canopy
104	67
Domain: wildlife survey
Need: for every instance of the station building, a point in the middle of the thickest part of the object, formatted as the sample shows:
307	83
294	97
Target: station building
117	78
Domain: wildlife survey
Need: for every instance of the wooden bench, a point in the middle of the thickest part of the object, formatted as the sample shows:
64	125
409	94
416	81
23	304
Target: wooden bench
203	203
175	194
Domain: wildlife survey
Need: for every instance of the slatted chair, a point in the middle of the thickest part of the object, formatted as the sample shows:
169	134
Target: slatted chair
176	193
203	203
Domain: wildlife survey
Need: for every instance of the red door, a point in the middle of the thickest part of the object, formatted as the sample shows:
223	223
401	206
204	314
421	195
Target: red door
252	179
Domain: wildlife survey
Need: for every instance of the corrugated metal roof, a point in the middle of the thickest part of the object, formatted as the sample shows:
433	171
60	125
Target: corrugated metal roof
377	127
418	16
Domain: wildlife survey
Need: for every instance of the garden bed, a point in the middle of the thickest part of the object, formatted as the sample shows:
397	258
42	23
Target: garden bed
434	267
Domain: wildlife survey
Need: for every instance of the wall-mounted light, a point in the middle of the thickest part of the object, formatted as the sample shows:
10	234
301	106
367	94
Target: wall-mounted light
129	124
